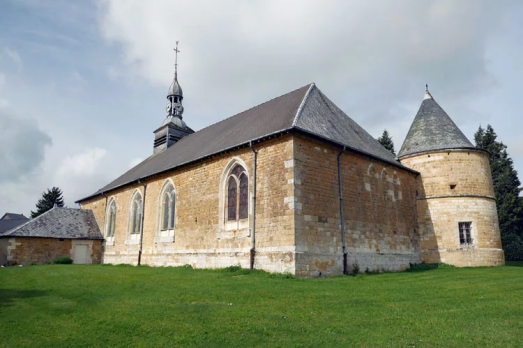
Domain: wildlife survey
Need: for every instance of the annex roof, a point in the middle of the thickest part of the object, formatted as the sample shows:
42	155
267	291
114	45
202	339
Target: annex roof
306	109
66	223
10	221
432	129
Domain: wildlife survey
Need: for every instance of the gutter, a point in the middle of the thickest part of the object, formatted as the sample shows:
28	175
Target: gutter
343	241
253	248
141	229
259	139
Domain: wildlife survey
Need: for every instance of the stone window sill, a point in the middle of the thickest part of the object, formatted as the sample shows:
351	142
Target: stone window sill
164	239
231	234
132	242
109	241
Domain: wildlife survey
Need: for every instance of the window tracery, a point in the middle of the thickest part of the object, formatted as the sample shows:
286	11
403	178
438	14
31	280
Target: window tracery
136	213
111	219
168	208
237	194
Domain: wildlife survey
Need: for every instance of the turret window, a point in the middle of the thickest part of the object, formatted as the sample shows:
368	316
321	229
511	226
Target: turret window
465	236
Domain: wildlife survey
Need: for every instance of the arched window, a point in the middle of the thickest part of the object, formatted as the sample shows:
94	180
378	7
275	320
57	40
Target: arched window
237	195
244	196
136	213
168	205
111	219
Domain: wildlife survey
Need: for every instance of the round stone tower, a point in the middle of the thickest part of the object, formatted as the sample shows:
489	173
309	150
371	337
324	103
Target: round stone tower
457	216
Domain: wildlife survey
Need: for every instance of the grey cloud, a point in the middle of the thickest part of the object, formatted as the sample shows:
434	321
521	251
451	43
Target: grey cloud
22	146
368	57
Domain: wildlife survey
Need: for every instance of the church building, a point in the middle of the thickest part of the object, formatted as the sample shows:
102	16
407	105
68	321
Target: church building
295	185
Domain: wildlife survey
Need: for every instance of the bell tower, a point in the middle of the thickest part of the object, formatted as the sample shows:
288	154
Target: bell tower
173	127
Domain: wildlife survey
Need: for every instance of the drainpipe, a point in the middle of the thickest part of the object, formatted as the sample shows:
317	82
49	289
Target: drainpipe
343	242
141	232
253	248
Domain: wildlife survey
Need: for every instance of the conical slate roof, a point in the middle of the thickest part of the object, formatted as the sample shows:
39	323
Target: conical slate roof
305	110
433	129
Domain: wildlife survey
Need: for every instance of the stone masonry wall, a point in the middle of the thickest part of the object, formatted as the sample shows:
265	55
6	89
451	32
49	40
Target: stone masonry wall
201	237
23	251
456	186
379	211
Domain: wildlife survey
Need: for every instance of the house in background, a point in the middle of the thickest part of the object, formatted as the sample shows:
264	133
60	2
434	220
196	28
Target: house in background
59	232
10	221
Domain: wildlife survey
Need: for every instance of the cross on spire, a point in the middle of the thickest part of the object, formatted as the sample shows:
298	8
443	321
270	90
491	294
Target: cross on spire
426	87
176	58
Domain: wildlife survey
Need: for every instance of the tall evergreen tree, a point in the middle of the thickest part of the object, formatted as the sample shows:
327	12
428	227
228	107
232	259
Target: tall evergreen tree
49	199
386	141
506	188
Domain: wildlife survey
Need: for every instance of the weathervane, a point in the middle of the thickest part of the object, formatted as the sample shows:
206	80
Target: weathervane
426	87
176	59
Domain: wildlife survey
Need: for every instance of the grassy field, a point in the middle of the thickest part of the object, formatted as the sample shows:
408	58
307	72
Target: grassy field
121	306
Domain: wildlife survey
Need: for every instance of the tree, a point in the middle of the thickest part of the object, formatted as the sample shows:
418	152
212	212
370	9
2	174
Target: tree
49	199
506	188
386	141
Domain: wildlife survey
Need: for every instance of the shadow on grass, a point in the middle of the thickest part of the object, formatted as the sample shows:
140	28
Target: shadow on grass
7	295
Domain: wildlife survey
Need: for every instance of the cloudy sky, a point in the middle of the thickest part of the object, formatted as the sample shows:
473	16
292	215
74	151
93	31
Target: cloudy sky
83	83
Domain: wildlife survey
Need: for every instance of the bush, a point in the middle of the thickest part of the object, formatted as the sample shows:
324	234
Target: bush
232	269
62	261
417	267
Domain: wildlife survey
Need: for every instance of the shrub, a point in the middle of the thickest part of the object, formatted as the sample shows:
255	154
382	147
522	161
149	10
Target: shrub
232	269
62	261
355	269
417	267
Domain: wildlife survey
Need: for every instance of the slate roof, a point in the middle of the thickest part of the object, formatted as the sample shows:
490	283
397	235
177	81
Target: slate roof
59	222
432	129
13	216
306	109
10	221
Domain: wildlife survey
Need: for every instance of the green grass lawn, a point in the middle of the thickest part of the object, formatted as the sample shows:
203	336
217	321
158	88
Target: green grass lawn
121	306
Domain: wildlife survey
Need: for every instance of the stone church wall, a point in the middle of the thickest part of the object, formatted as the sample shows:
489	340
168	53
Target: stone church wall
456	186
201	238
379	211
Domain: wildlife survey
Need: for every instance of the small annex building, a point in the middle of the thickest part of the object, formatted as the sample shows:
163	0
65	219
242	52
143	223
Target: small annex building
295	185
59	232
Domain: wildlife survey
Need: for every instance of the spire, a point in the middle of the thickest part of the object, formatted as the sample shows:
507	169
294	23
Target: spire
432	129
173	127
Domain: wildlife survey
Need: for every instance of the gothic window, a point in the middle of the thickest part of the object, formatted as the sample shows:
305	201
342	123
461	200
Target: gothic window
464	233
136	213
232	195
111	219
244	197
237	195
168	208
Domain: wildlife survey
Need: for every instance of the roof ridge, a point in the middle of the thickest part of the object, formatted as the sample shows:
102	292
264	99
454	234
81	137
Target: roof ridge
254	107
302	105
